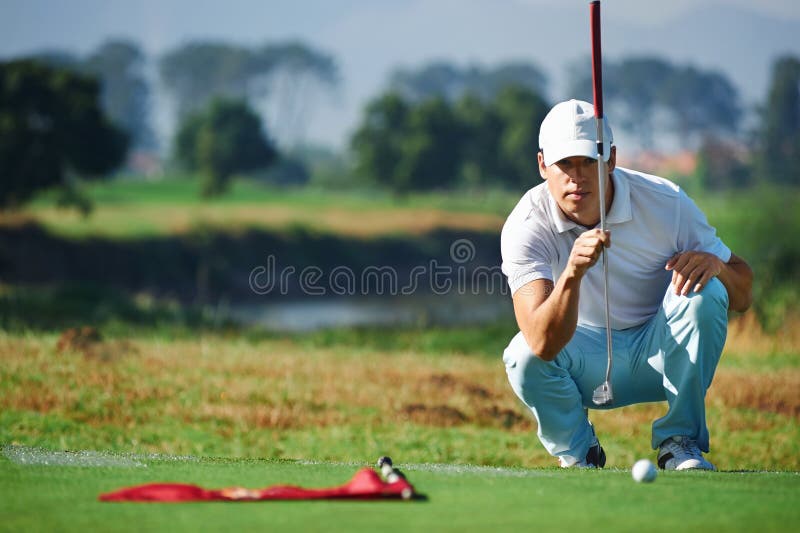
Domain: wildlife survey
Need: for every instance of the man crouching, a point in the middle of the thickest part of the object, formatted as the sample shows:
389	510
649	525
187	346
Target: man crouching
671	283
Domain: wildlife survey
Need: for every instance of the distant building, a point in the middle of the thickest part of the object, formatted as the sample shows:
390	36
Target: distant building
682	163
146	164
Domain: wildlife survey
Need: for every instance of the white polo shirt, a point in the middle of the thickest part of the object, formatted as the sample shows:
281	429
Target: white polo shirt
650	220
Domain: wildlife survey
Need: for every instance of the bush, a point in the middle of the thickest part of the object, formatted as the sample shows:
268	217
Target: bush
51	125
761	226
221	141
287	171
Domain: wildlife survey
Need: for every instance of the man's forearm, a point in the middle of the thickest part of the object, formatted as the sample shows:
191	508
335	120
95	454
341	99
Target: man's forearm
548	321
551	325
737	277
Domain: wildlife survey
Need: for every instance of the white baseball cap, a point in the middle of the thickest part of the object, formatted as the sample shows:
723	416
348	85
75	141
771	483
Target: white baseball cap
569	129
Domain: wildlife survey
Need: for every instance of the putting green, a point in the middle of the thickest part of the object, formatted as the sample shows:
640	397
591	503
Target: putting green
45	490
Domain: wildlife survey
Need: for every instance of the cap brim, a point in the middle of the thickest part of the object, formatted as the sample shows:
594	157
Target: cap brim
577	147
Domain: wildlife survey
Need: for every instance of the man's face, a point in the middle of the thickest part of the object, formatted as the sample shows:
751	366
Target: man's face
572	182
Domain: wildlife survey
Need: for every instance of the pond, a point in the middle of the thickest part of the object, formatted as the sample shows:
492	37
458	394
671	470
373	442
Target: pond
314	313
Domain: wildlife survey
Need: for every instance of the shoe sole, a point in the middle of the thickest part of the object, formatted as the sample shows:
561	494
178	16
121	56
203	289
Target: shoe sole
689	464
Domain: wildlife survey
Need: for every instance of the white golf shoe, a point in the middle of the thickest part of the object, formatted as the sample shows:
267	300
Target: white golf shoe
682	453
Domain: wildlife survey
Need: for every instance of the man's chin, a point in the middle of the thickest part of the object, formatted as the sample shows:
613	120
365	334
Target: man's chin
574	208
577	213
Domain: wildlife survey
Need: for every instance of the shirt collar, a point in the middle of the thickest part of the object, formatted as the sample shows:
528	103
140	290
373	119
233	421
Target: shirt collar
620	208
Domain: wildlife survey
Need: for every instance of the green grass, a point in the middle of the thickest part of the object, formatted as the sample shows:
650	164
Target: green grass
727	210
136	209
64	498
742	217
186	191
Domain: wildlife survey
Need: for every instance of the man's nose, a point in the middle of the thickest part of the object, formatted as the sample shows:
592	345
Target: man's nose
580	172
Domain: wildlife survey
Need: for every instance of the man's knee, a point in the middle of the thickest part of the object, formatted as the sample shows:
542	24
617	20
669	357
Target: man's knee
527	373
712	302
518	355
704	314
707	305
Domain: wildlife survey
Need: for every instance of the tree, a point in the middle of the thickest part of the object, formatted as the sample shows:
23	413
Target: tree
635	88
295	76
432	144
522	112
501	137
645	95
721	165
440	79
57	58
287	172
378	142
482	128
125	93
779	157
451	82
280	79
118	66
408	147
224	139
197	72
51	127
432	147
700	103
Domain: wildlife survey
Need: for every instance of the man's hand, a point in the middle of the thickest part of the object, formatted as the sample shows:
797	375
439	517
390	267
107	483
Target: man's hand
691	271
586	250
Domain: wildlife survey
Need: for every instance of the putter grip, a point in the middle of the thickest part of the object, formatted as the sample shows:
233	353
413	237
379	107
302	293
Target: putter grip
597	59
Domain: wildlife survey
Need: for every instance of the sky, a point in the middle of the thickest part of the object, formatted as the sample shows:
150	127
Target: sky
371	38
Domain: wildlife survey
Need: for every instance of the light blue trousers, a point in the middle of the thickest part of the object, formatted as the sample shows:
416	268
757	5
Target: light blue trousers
670	357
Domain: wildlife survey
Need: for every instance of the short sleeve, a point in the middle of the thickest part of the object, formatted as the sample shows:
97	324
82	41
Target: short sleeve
696	234
525	254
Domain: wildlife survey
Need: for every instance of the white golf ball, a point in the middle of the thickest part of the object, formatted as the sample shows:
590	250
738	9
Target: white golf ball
643	471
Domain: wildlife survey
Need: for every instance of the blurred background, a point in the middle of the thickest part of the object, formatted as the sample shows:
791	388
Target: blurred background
180	165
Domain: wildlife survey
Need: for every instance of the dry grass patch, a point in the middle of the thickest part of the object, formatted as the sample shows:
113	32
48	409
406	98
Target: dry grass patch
120	220
285	399
280	385
274	384
773	393
434	415
747	337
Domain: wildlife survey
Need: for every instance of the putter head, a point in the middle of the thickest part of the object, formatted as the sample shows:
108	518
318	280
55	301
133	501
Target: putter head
602	395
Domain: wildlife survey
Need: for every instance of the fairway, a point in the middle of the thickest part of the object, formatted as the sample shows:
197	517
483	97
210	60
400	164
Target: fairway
461	498
135	209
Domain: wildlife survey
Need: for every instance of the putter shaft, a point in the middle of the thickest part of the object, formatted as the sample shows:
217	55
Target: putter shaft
603	394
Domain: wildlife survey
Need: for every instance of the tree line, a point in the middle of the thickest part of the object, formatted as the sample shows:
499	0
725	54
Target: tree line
438	126
281	80
649	97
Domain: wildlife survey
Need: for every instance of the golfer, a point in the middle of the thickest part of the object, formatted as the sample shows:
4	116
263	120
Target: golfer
671	283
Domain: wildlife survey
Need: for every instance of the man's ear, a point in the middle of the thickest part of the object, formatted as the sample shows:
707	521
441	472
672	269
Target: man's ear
612	159
542	166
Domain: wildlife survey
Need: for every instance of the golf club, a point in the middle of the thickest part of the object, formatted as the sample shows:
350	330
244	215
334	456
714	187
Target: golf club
603	394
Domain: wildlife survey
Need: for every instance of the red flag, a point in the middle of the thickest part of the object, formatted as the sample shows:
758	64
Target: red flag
365	485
